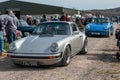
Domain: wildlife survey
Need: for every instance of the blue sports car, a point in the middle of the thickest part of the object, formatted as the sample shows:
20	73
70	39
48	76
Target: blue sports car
100	26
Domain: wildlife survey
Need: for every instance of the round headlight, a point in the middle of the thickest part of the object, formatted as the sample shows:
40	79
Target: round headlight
105	27
54	47
87	27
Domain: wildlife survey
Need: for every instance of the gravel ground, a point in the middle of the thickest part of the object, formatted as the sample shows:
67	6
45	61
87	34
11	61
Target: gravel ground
99	64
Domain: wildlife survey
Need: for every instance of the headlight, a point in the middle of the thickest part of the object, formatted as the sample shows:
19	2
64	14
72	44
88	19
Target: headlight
105	27
87	27
54	47
12	47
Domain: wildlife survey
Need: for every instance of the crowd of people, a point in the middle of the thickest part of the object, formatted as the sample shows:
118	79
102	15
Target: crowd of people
64	17
44	18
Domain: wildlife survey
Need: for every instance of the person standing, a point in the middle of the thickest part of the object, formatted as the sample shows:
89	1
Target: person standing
56	18
44	18
63	17
11	23
2	50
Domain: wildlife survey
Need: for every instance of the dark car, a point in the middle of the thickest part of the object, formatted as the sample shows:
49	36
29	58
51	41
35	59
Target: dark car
25	28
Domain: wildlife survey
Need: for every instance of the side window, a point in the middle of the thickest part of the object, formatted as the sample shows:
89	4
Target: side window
74	28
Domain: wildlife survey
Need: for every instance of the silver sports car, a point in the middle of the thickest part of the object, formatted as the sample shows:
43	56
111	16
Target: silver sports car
50	43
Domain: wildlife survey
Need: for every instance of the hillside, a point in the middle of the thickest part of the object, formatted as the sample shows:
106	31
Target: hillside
105	12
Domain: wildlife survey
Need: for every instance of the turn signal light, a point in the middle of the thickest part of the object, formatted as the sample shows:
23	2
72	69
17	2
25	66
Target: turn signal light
8	56
52	57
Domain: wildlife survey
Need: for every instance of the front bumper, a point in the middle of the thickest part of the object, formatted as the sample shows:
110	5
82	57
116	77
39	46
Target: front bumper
38	59
102	33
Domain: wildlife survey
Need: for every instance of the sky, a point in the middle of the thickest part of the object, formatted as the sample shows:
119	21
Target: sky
79	4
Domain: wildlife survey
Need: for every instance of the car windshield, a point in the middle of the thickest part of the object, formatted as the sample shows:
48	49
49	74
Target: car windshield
23	23
100	20
55	28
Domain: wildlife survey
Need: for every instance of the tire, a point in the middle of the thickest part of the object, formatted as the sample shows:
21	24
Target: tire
67	57
85	48
112	34
108	35
118	55
87	35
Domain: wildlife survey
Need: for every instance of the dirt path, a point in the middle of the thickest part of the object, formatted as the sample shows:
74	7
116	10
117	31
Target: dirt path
98	64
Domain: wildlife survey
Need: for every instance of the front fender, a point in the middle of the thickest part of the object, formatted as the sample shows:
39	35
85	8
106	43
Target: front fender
63	47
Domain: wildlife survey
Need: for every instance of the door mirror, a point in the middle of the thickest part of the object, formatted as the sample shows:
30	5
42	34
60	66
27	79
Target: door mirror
76	32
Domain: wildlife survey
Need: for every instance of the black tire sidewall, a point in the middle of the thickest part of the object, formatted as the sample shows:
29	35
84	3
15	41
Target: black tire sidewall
66	56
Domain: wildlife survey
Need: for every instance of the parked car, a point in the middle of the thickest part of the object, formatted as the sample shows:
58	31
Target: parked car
100	26
25	28
51	43
117	36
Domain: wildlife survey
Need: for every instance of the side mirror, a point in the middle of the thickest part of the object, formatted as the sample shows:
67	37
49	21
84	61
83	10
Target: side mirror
76	32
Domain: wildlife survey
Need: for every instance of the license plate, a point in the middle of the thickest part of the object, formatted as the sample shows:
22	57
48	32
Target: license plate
29	63
95	33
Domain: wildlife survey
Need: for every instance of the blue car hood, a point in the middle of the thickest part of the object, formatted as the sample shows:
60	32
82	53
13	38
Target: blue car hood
97	27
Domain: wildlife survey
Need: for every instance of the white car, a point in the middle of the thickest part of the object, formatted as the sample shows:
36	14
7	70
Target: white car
50	43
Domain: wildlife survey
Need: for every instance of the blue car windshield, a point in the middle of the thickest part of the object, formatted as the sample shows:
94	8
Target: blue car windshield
100	20
23	23
56	28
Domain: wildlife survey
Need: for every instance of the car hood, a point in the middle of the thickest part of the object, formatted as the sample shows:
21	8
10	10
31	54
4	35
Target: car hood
25	28
37	44
96	26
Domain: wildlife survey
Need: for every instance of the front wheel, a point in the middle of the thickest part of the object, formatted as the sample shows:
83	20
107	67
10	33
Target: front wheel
67	57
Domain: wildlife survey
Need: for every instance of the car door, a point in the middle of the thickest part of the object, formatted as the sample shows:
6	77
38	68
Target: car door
76	43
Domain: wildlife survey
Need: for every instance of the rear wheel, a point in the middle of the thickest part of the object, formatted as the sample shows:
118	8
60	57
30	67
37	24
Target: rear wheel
112	34
67	57
109	34
118	55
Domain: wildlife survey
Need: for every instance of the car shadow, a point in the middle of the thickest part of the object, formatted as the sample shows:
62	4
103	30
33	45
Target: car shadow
108	50
7	65
104	57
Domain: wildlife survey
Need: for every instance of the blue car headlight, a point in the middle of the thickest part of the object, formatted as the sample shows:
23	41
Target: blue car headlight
105	27
54	47
87	27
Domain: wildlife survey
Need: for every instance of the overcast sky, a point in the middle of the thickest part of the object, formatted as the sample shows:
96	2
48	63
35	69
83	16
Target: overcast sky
79	4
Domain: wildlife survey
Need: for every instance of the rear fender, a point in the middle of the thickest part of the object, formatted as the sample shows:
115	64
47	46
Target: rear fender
83	40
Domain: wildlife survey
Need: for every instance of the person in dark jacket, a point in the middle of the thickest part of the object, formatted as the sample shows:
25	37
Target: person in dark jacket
44	18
